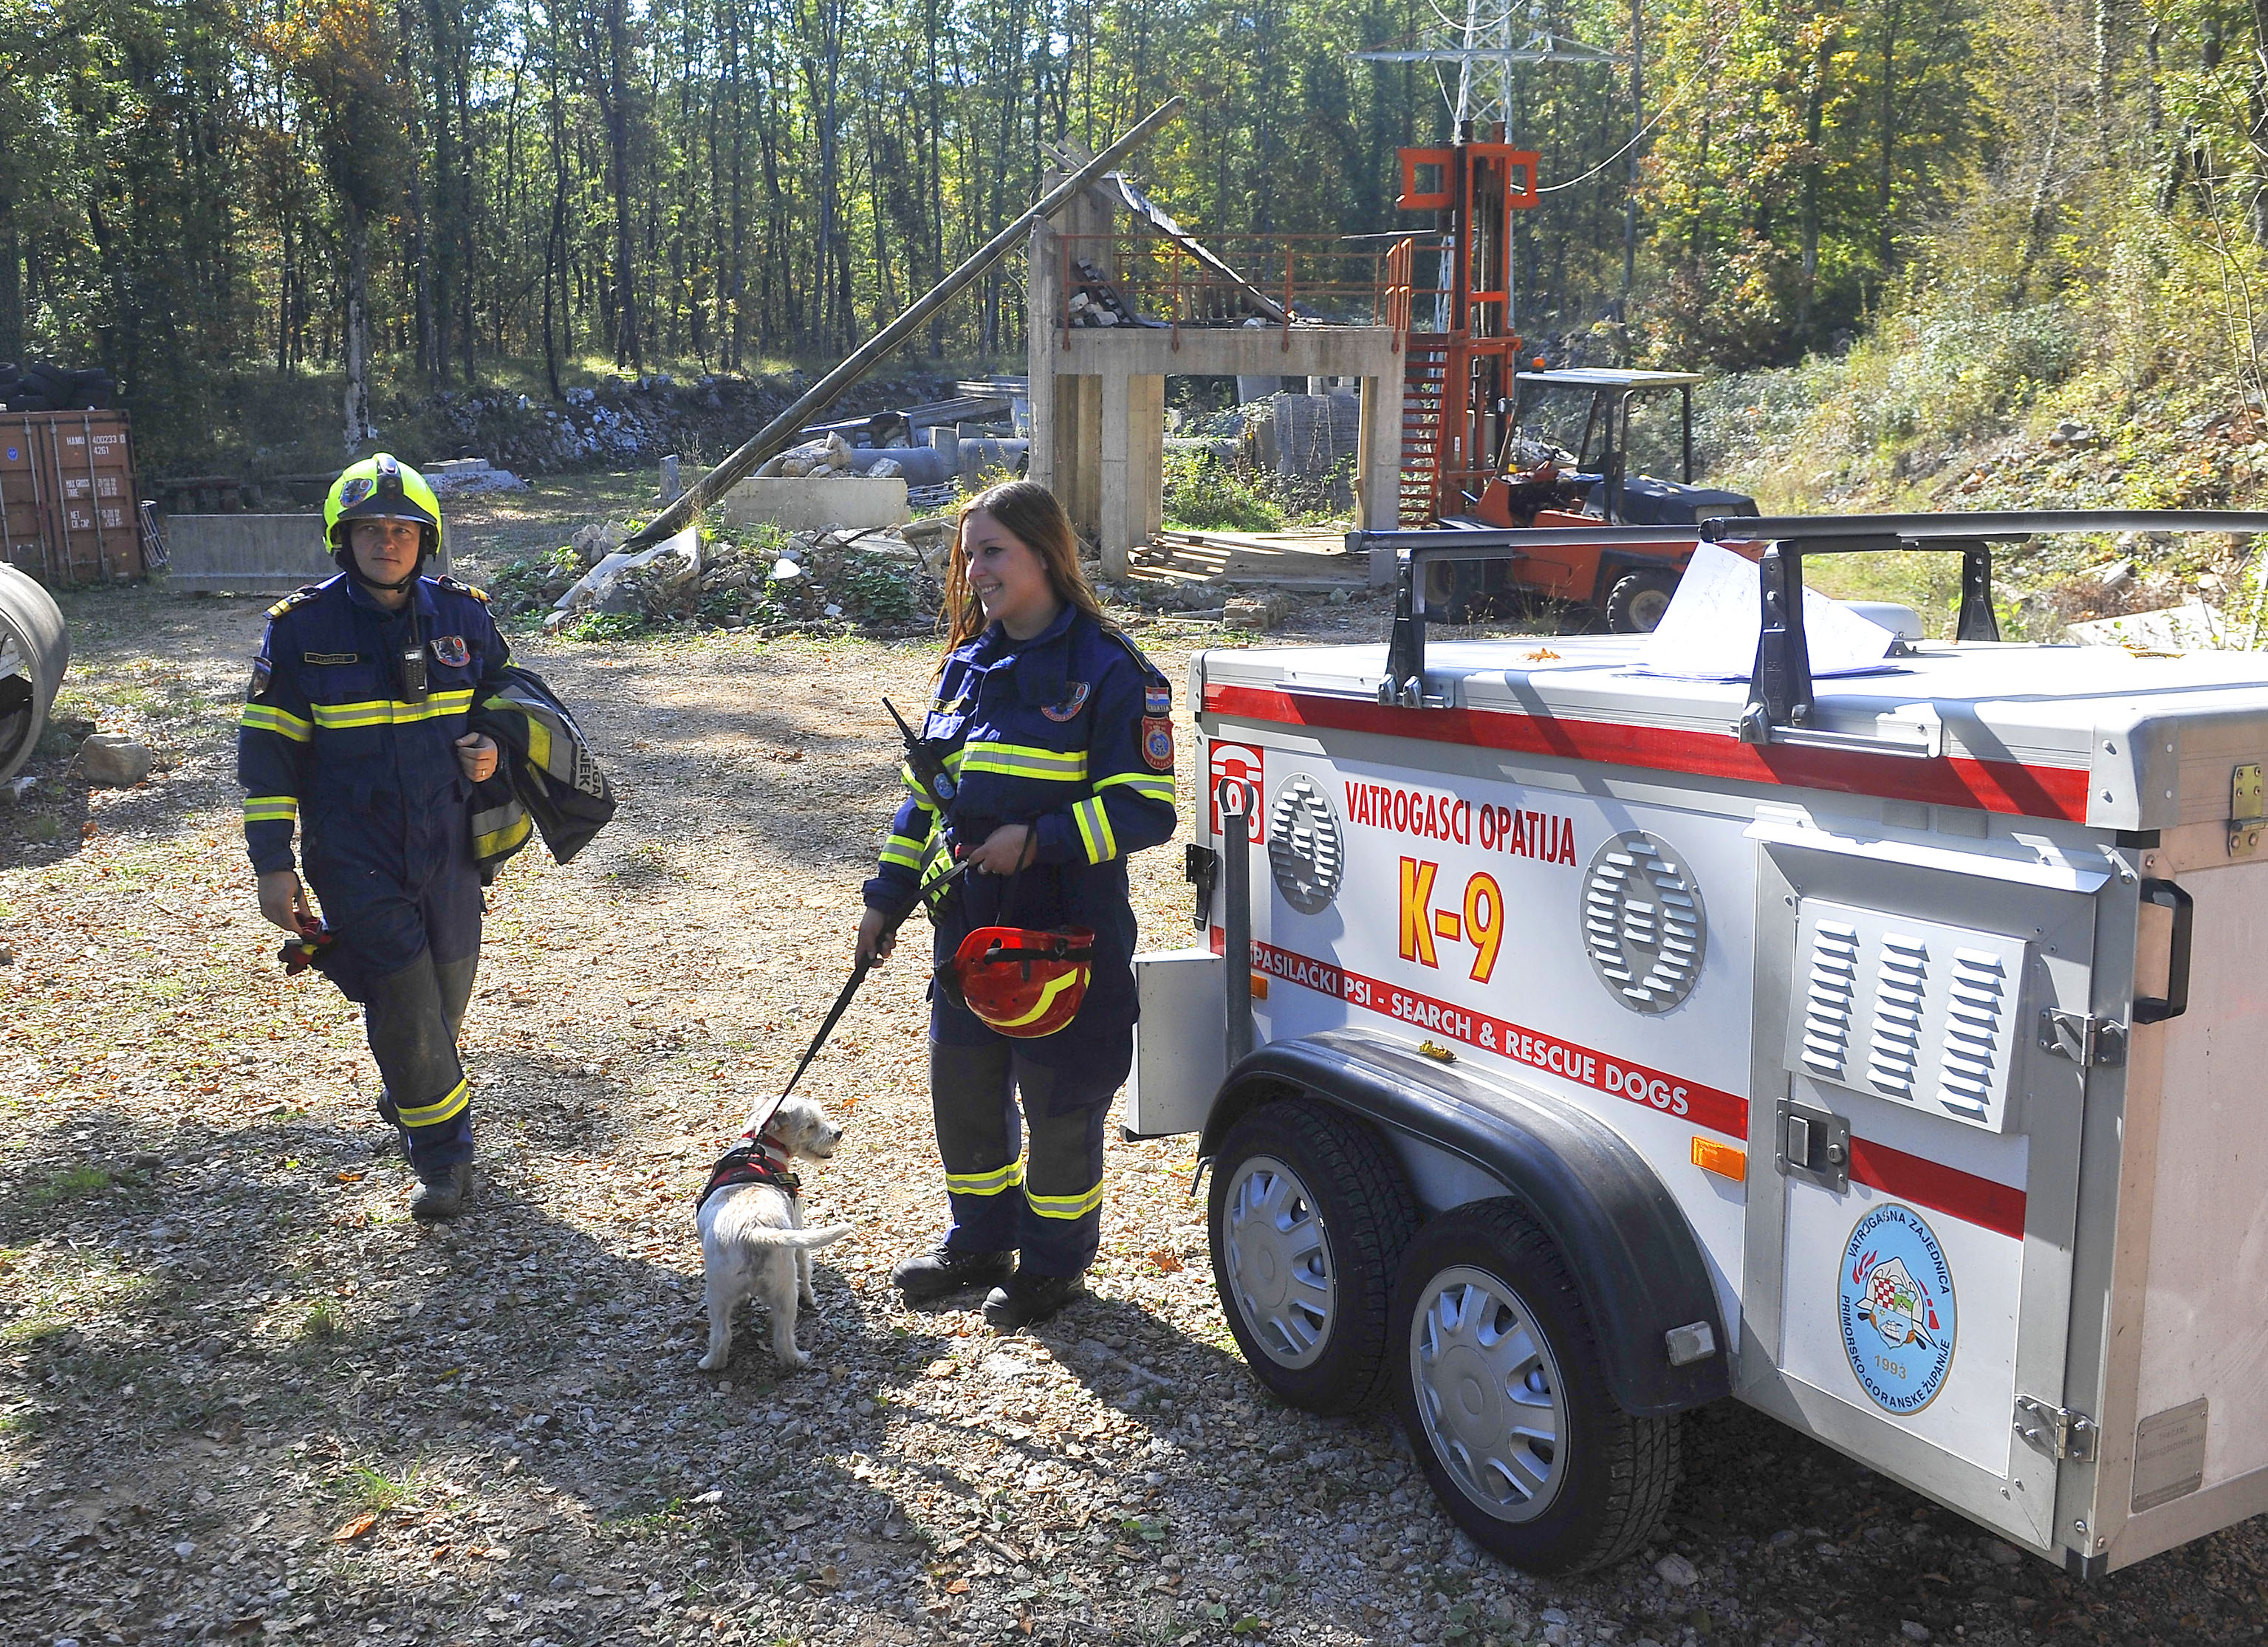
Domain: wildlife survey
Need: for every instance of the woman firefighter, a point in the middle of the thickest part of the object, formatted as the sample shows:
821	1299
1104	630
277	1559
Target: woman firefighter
358	727
1046	759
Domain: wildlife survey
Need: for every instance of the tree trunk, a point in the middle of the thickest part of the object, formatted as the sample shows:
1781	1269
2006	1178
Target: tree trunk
630	349
357	340
1813	130
1887	178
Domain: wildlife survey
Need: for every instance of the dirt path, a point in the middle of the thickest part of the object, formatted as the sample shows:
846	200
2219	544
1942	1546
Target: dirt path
241	1396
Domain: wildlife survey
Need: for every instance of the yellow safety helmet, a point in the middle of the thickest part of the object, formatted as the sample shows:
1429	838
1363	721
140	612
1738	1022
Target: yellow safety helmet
380	488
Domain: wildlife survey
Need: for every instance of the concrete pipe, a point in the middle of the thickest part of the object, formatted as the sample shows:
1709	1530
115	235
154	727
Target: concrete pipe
977	456
921	465
34	652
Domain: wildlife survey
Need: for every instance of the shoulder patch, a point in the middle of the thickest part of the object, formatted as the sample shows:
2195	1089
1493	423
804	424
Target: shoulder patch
462	588
298	597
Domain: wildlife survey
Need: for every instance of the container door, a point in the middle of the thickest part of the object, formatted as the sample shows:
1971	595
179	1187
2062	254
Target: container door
1916	1153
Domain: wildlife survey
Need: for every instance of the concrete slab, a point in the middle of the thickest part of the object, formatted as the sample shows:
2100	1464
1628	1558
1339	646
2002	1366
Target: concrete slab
814	502
251	554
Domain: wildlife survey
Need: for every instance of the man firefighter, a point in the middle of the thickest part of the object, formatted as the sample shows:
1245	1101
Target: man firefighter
357	727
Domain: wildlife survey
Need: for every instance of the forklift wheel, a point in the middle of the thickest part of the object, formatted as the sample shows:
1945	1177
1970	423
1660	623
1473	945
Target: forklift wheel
1308	1218
1636	603
1499	1388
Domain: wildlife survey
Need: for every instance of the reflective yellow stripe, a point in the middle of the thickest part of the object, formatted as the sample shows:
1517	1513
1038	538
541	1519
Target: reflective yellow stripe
1056	987
1094	830
985	1183
261	717
504	839
1148	785
1026	761
538	743
903	850
270	808
446	1107
1065	1206
391	712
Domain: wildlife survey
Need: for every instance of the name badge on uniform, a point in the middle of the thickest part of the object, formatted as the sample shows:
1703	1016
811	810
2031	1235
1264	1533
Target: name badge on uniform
330	657
1071	705
450	651
1157	700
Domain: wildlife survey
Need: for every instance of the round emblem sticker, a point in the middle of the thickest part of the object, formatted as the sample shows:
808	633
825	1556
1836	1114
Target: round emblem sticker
1897	1309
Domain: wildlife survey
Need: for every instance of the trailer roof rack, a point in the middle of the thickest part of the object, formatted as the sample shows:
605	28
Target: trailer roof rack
1780	687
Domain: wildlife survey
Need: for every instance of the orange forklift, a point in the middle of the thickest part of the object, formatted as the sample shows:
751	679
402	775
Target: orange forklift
1467	465
1539	484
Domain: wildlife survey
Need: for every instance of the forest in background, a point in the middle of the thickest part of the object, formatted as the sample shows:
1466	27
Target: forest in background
199	194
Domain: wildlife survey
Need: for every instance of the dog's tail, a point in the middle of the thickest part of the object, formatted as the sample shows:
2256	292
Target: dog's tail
826	1237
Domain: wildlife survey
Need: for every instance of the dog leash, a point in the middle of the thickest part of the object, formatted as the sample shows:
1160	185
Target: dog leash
851	988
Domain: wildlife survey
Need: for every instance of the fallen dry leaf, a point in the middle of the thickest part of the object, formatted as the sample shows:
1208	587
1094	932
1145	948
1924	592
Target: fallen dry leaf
1168	1262
958	1587
1540	655
352	1530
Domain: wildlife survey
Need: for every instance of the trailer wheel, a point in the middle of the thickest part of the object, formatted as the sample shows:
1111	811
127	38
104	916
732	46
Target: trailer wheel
1637	601
1308	1217
1500	1390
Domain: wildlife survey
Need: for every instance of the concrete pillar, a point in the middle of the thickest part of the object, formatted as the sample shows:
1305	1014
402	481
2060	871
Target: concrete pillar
1146	458
1075	451
1118	444
1040	303
1378	457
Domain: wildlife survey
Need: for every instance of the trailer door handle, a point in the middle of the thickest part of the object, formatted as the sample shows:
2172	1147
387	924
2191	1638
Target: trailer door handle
2176	1001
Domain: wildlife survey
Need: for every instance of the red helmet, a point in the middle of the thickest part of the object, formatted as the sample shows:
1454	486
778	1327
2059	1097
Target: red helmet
1018	982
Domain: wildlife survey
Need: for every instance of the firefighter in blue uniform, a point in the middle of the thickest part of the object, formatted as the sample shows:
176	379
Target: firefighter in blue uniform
356	728
1056	736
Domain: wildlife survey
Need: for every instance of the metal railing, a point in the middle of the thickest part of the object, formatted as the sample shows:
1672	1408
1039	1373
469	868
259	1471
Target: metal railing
1154	282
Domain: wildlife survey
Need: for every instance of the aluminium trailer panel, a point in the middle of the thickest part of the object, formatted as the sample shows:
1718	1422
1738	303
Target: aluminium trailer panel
1954	1251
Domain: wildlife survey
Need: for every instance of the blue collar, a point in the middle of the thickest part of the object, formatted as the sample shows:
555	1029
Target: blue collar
421	593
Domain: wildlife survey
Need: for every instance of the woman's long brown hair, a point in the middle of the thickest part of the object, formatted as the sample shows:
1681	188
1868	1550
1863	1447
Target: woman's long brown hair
1028	512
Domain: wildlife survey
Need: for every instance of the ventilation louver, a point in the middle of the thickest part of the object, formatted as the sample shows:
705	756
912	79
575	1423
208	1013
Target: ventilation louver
1913	1012
1643	923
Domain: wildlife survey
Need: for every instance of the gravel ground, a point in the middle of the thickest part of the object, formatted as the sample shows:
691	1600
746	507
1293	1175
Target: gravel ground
242	1397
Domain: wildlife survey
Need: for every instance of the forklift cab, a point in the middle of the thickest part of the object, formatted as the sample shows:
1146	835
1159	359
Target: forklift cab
1600	486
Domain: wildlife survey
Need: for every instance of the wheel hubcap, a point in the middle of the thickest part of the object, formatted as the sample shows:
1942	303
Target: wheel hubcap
1489	1392
1646	607
1279	1261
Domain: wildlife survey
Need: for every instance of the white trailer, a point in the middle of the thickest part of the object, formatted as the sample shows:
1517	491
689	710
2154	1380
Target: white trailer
1888	1056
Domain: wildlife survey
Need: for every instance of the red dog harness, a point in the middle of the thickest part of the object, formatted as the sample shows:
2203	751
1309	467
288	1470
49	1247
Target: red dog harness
753	1160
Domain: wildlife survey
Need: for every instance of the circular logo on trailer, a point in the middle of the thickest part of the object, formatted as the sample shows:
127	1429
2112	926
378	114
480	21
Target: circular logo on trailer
1643	923
1305	850
1896	1308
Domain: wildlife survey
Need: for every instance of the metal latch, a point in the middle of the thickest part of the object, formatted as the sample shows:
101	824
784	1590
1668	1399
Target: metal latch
2092	1043
2248	810
2061	1432
1814	1144
1200	868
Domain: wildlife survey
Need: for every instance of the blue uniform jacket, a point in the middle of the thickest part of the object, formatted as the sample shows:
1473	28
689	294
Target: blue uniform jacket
327	739
1071	732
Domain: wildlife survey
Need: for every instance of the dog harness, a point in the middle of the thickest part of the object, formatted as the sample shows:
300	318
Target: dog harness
753	1160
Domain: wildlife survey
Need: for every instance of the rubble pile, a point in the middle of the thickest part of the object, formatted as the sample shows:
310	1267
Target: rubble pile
762	578
629	423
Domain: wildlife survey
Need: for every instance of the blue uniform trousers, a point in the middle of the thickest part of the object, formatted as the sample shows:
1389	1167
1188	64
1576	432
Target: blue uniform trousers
1044	1204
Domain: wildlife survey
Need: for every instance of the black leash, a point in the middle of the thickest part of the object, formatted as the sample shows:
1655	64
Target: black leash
851	988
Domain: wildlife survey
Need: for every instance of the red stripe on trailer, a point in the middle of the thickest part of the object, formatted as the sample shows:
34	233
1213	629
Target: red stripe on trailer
1981	1201
1617	1078
1997	786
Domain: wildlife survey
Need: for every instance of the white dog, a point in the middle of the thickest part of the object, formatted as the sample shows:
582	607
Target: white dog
752	1235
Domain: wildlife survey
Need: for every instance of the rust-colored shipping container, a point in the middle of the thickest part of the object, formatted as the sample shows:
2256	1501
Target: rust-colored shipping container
68	504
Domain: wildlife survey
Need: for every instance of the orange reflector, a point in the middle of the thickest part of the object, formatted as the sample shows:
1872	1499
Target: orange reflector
1259	986
1721	1158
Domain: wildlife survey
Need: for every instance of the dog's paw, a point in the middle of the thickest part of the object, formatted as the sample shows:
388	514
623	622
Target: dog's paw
712	1360
795	1360
808	1301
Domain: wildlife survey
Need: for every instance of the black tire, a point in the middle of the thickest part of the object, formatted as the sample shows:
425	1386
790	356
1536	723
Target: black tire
1473	1278
1308	1302
1637	601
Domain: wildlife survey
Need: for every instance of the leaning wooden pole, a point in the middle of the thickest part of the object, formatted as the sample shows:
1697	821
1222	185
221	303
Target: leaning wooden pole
777	434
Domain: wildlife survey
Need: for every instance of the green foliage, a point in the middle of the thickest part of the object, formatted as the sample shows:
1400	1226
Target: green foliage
880	590
603	626
1202	494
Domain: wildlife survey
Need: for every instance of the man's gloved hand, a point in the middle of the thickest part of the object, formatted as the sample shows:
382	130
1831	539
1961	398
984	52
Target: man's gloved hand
283	902
477	756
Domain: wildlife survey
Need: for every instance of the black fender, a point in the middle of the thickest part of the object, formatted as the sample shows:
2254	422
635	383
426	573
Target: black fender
1636	1260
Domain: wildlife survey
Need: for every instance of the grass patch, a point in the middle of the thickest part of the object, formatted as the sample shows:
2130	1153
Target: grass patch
69	1183
603	626
54	1292
324	1321
369	1488
1202	494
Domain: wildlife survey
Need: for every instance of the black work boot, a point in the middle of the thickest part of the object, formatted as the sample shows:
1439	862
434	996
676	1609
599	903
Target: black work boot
1023	1300
940	1270
442	1192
